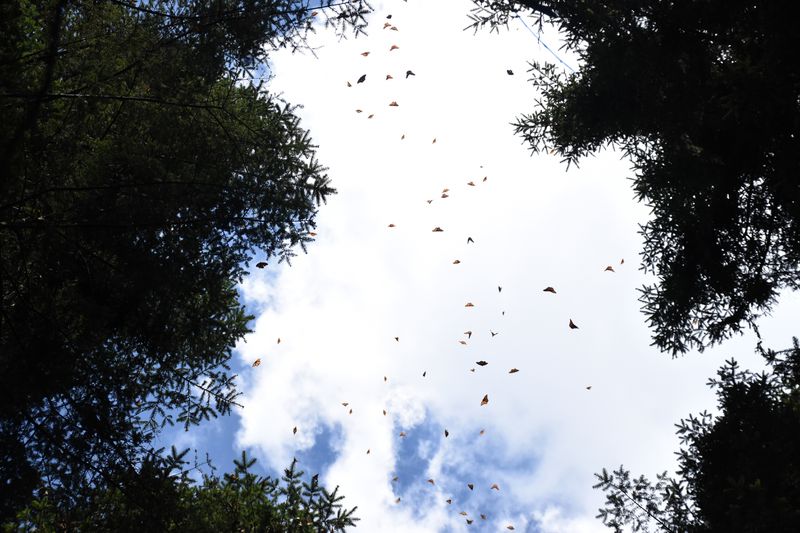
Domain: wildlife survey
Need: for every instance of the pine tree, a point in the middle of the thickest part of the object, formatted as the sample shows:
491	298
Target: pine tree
738	471
163	496
143	165
702	98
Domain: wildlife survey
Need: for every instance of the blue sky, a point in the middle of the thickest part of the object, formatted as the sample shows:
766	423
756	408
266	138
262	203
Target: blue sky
338	309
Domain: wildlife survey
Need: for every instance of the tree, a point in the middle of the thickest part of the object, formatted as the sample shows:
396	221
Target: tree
702	97
143	165
738	471
162	496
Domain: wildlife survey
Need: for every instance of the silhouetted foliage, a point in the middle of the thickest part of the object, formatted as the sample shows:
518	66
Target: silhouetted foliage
162	496
702	97
142	164
738	471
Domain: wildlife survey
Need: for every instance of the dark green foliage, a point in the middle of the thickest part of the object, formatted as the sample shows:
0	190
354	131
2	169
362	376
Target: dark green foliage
738	472
161	496
141	167
702	96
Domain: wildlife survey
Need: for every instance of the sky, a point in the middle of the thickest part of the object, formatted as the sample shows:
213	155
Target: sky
375	316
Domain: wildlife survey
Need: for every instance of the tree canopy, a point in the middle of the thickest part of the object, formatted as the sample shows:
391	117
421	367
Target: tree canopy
702	97
143	165
162	496
739	471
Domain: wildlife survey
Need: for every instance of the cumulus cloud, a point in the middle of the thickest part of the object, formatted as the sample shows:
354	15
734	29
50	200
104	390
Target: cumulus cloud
338	309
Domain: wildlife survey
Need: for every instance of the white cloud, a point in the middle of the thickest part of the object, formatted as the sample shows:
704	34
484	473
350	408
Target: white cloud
338	309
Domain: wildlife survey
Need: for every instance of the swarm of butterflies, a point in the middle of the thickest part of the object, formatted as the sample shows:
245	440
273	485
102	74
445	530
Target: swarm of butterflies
388	25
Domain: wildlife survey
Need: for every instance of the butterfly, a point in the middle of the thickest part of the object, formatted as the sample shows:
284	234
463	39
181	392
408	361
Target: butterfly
485	399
